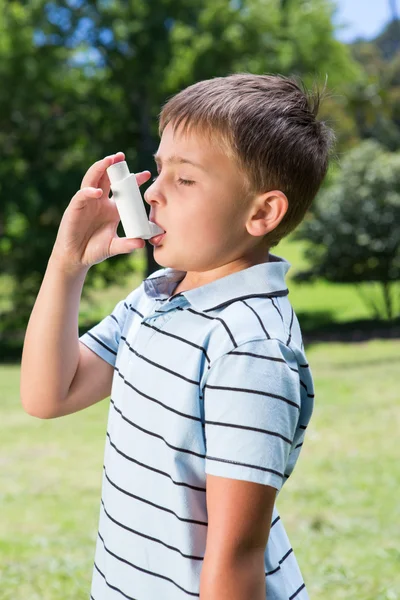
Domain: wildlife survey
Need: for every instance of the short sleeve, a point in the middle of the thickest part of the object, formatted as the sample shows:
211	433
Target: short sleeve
251	412
104	338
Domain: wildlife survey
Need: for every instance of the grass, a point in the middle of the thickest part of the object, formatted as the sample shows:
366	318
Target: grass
340	507
315	303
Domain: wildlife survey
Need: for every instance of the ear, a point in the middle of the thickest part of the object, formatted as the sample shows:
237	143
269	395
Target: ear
267	212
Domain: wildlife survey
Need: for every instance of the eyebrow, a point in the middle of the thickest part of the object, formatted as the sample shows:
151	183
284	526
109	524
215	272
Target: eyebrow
174	159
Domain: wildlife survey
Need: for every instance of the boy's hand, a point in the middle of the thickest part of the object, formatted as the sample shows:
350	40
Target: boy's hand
87	233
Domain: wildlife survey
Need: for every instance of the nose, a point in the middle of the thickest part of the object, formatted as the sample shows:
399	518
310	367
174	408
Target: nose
153	194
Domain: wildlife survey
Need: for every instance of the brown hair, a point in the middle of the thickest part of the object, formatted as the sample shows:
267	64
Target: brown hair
268	125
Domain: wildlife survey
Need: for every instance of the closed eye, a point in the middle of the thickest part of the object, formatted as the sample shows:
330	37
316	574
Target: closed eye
185	181
180	181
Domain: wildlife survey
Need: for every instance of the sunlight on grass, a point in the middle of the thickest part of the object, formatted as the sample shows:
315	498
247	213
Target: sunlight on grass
342	503
323	301
340	507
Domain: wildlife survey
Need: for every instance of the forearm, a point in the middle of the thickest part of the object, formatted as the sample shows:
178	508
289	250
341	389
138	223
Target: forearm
51	347
239	578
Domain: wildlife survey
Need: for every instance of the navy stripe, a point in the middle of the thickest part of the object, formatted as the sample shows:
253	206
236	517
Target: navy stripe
277	308
151	362
248	391
259	320
149	537
278	568
227	330
195	312
285	556
135	311
274	522
141	464
127	562
306	388
177	337
266	431
234	462
115	319
157	435
273	358
152	399
102	343
113	587
297	591
153	504
290	327
241	298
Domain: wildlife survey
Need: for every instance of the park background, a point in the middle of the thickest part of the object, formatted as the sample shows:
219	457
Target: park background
83	79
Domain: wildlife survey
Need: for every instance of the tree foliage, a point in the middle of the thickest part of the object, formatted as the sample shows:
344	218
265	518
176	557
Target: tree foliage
354	232
82	79
374	101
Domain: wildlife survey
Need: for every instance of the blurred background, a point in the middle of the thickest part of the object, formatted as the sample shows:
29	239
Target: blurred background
82	79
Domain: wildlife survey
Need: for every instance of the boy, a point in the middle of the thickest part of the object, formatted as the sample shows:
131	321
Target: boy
210	388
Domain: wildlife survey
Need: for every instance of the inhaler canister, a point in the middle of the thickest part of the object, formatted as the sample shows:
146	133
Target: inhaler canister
129	203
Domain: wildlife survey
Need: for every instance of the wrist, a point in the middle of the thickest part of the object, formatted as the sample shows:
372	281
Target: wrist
67	268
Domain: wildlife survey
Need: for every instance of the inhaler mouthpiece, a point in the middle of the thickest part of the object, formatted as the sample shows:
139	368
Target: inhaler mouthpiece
129	203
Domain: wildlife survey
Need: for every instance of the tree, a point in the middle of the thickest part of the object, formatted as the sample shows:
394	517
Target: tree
89	78
375	99
354	231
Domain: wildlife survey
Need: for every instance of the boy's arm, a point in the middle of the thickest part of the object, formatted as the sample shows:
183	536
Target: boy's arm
239	520
59	375
252	404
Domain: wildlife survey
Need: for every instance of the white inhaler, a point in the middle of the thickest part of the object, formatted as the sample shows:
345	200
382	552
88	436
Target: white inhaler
130	204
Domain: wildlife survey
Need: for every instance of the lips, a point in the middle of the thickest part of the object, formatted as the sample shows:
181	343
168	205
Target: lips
156	239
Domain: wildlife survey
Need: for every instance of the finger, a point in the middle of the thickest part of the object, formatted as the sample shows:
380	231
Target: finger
142	177
94	174
88	193
125	245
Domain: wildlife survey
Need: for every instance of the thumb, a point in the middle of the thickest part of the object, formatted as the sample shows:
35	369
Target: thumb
123	245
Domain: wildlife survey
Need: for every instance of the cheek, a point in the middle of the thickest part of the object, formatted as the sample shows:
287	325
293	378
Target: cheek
210	216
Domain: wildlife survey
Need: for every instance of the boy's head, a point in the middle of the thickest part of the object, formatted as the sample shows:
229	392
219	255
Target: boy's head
262	156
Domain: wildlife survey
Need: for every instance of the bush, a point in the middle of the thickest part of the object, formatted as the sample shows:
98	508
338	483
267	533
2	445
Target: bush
354	230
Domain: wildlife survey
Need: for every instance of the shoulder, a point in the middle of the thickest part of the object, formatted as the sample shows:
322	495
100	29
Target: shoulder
264	352
256	362
256	319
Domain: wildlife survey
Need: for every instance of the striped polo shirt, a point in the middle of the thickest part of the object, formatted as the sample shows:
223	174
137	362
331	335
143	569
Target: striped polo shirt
210	380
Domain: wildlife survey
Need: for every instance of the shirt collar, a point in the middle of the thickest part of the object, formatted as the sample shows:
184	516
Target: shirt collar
265	279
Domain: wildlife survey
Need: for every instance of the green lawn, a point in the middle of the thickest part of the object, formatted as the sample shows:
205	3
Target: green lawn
340	506
315	303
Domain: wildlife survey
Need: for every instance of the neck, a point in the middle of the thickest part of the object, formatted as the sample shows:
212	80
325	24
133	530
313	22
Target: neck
195	279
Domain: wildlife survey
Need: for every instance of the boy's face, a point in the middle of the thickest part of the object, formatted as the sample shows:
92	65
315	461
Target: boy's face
201	207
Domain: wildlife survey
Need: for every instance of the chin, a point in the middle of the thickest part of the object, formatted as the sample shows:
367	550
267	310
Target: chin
172	263
189	260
